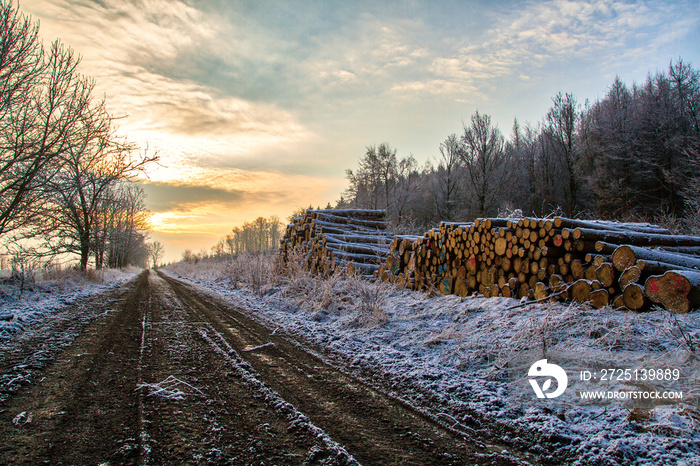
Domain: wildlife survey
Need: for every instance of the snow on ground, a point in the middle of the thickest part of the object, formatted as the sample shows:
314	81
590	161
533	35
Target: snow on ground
44	315
466	362
23	303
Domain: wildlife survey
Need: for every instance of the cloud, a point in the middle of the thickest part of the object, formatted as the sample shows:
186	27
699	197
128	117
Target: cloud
194	214
163	196
556	30
154	61
220	190
531	38
314	57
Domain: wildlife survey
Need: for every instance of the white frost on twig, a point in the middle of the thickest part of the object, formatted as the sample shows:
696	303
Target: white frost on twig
22	418
168	388
255	348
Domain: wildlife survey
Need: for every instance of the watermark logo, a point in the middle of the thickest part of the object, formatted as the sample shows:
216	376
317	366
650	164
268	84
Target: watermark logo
542	369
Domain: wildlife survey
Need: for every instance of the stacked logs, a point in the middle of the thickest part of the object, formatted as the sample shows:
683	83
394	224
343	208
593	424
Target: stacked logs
352	240
626	265
669	276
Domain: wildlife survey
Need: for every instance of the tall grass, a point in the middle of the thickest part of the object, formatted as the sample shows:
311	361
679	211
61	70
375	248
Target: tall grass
262	273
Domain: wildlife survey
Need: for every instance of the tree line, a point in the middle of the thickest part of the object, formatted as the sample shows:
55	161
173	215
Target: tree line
65	174
633	154
262	234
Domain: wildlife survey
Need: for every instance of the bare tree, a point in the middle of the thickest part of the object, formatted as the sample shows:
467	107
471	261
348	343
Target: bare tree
259	235
486	162
155	253
447	194
407	182
189	256
607	135
96	160
43	101
684	83
123	217
374	182
524	158
560	131
387	169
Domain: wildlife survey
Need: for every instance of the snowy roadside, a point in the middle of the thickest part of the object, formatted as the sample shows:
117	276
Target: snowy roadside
466	362
47	317
40	298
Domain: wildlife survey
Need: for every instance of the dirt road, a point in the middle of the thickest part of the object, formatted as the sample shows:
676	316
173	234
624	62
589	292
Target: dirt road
166	374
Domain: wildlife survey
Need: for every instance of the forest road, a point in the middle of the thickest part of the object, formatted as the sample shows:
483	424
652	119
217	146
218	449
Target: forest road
175	376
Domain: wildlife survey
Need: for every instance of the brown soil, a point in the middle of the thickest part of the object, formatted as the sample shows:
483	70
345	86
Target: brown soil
174	376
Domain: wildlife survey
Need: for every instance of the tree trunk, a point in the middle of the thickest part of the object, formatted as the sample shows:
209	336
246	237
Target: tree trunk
630	237
84	250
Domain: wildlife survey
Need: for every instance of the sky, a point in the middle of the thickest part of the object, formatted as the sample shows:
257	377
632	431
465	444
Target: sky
257	107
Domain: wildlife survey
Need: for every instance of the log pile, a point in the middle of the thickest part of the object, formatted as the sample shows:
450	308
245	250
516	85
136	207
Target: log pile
626	265
352	240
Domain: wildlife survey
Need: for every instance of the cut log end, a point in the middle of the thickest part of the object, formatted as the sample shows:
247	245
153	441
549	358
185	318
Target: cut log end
676	290
630	275
623	258
599	298
580	290
634	297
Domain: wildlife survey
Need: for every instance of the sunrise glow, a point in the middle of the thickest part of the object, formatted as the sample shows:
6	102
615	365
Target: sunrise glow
257	108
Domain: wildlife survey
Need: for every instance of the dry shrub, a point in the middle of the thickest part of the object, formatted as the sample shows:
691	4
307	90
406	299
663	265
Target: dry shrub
334	294
640	415
97	276
205	269
255	270
693	414
327	292
308	290
295	274
71	275
371	298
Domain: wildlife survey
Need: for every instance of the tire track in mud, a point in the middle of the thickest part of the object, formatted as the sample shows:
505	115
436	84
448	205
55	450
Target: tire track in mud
83	409
174	376
143	386
373	427
214	410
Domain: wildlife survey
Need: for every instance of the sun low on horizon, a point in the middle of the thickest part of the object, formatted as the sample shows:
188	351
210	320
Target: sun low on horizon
257	108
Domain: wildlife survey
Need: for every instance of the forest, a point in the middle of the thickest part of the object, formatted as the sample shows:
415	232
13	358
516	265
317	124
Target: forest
632	155
66	175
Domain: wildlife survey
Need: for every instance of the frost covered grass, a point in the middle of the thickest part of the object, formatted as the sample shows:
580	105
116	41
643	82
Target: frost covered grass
466	360
259	273
33	295
256	271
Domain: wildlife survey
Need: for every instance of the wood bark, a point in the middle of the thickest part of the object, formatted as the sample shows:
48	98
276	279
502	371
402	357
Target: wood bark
561	222
627	255
631	237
